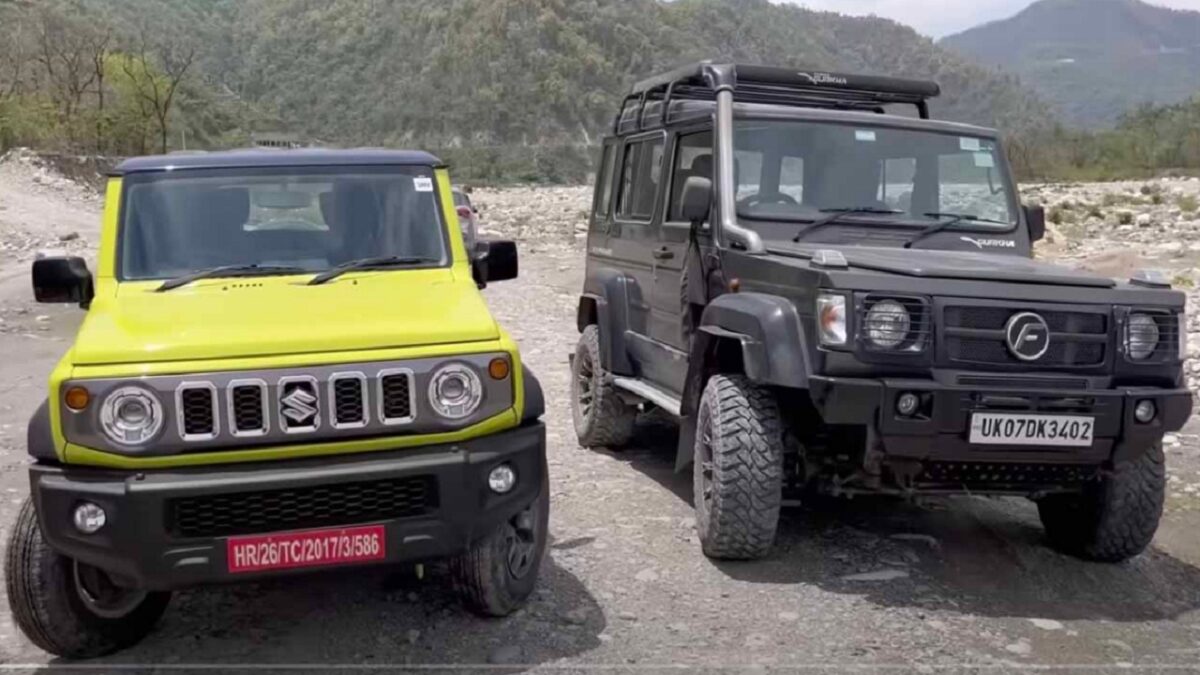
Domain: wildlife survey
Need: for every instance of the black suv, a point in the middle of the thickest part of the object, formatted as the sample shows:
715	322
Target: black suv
861	314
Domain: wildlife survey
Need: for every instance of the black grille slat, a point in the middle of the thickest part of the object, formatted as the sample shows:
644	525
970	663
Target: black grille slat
976	335
349	405
248	413
301	508
397	403
197	412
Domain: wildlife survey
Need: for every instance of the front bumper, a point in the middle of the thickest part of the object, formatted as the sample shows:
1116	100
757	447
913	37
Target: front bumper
168	529
942	433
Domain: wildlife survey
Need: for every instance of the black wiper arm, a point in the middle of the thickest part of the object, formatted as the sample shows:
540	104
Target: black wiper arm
838	214
952	220
368	263
228	271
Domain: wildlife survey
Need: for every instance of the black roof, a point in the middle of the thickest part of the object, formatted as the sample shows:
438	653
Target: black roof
775	85
230	159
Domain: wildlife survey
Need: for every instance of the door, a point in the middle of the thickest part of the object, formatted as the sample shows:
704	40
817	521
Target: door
692	155
633	232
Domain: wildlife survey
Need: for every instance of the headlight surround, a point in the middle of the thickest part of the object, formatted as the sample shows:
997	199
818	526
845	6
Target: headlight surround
887	324
131	416
455	391
831	319
1182	331
1142	335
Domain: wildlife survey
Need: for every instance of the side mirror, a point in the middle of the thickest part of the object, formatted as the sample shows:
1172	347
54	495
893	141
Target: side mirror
494	260
1035	219
62	279
696	199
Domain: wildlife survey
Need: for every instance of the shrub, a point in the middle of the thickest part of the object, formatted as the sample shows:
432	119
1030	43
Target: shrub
1188	203
1125	217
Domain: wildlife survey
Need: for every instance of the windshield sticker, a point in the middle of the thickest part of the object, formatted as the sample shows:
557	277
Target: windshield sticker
984	160
864	135
423	184
968	144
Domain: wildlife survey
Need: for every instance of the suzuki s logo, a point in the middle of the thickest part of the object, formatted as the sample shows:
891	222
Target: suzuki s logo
1027	335
823	78
298	406
990	243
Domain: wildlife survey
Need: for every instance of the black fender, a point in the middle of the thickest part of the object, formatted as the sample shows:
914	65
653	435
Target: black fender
39	438
769	338
606	298
535	400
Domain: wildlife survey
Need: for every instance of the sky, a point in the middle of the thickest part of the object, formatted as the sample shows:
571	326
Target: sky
938	18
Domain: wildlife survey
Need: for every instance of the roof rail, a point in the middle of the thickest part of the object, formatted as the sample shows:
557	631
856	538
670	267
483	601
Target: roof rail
778	86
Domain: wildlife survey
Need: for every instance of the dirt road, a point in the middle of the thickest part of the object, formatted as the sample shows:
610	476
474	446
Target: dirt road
852	586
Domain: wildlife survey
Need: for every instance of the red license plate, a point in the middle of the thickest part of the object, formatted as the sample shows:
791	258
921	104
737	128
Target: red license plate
314	548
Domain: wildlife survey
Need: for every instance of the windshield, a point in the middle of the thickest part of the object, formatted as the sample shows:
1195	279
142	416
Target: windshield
795	171
307	219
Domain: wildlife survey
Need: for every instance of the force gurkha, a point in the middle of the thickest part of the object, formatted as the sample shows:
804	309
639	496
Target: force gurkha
285	365
861	314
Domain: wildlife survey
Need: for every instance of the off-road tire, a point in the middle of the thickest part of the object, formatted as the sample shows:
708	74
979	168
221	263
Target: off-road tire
482	575
603	420
47	606
1114	518
738	471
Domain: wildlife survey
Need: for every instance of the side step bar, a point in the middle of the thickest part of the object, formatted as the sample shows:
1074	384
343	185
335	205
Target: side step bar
659	397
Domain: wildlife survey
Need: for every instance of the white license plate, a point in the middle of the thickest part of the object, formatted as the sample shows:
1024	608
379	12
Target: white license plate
1008	429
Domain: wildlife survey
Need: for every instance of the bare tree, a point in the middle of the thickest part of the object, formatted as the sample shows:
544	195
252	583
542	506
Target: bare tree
65	53
155	70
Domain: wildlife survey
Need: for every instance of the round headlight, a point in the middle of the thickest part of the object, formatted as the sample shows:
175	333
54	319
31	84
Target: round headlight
455	391
1141	336
887	324
131	416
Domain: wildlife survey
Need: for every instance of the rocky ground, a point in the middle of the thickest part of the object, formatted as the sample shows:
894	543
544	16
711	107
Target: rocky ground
961	584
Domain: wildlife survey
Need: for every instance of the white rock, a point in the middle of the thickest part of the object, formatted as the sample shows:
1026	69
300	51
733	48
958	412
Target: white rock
1047	624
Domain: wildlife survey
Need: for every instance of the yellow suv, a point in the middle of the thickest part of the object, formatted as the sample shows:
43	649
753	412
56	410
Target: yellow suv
286	365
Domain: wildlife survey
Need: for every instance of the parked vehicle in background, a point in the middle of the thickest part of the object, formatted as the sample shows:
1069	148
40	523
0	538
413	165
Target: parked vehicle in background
468	217
285	366
833	298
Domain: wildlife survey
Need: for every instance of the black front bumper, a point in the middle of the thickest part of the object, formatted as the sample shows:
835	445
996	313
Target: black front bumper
941	432
169	528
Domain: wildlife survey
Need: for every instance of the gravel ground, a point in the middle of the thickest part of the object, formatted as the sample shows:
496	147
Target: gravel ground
863	585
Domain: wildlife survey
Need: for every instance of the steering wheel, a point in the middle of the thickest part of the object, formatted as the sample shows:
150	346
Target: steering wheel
769	198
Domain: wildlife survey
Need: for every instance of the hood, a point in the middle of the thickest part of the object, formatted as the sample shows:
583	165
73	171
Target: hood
959	265
269	316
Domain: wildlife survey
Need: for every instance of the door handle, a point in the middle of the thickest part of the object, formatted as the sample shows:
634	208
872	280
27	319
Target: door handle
663	254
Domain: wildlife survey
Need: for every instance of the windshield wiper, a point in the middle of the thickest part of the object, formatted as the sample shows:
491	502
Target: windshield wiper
369	263
229	271
838	214
953	219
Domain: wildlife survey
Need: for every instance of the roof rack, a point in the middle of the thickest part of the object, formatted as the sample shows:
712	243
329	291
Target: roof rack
778	86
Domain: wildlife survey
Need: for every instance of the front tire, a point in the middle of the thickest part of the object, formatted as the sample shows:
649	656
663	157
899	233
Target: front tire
497	574
1113	519
602	419
68	608
738	471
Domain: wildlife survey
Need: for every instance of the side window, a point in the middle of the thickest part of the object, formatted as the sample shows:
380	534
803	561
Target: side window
693	157
641	172
604	186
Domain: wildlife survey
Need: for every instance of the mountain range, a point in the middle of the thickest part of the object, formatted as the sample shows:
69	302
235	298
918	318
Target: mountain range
1093	60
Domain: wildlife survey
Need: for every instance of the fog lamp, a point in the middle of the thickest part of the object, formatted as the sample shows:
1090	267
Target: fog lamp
89	518
907	404
502	479
1145	411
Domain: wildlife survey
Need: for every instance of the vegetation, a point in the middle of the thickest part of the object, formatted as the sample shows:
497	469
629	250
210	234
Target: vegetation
501	89
1093	60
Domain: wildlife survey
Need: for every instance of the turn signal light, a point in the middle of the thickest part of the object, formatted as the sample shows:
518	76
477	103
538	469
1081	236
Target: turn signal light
498	369
77	398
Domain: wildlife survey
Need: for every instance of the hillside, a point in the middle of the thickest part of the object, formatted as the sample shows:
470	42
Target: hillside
519	88
1093	59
